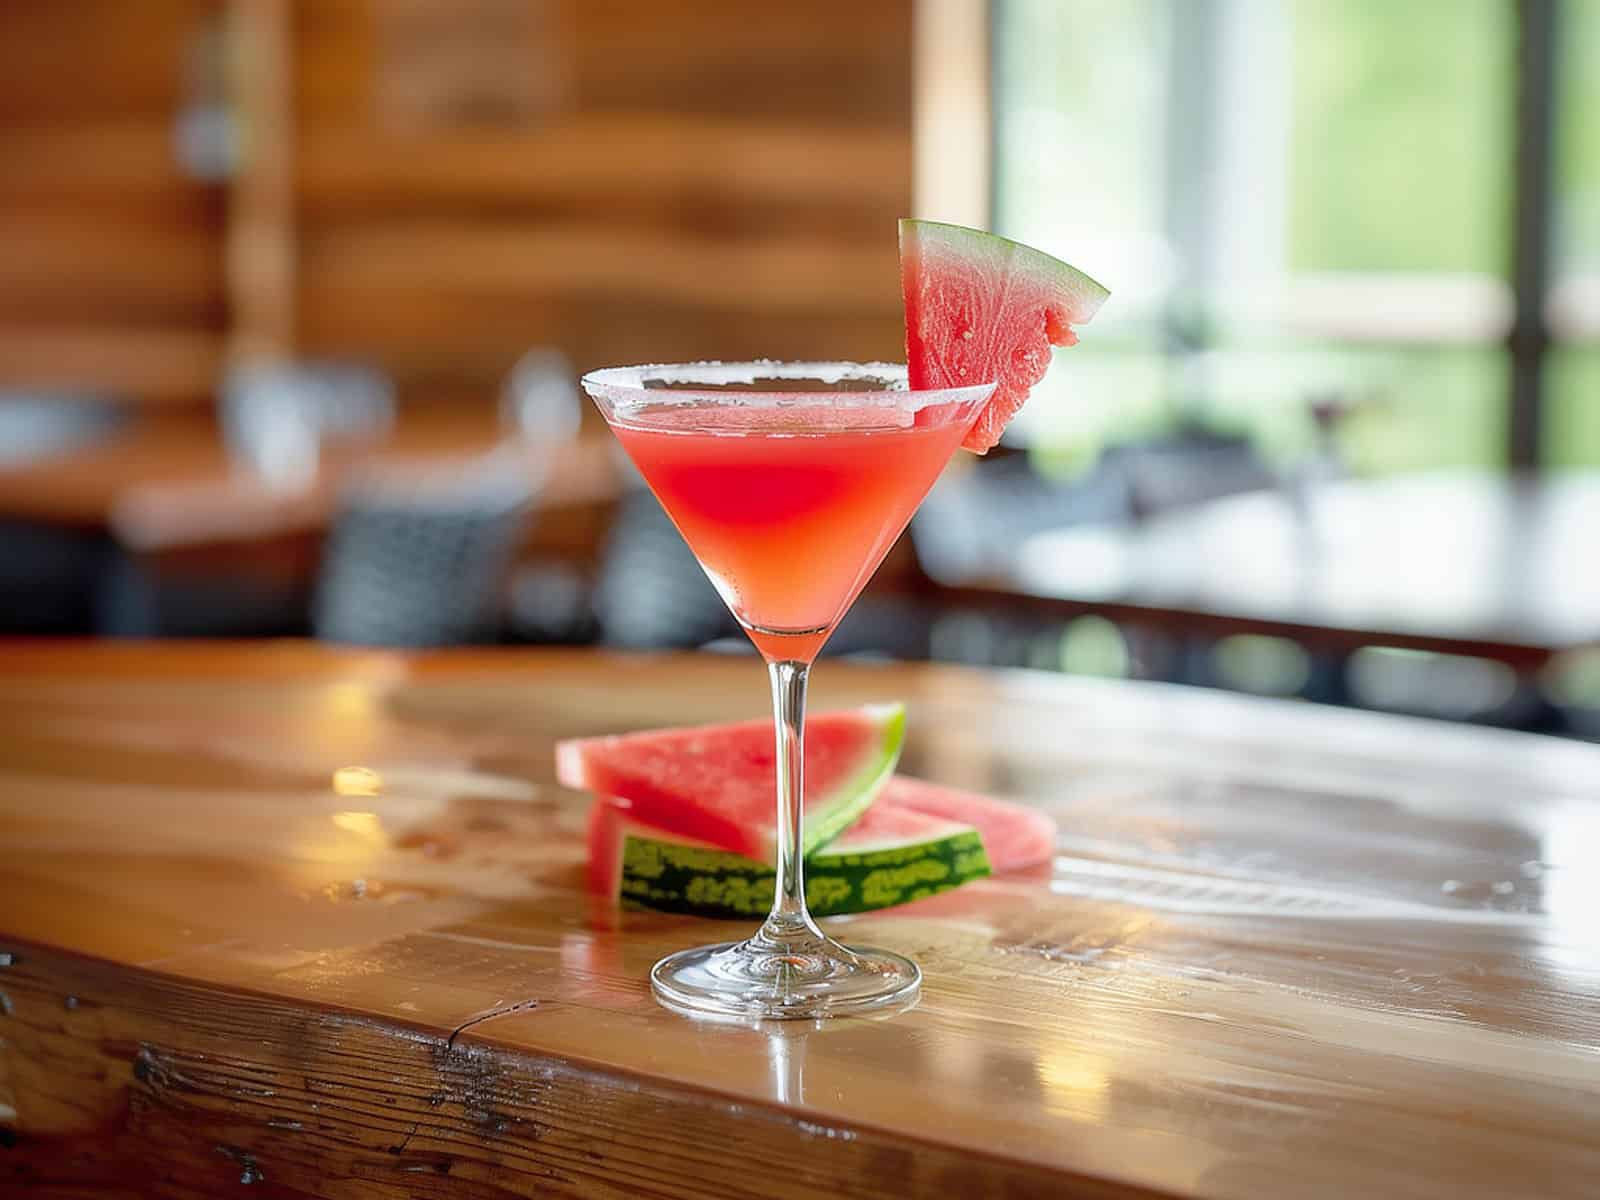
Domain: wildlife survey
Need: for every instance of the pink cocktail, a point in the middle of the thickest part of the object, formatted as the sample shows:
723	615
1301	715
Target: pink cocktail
790	482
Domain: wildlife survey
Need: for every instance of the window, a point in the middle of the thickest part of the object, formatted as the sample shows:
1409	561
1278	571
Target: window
1572	427
1302	206
1081	105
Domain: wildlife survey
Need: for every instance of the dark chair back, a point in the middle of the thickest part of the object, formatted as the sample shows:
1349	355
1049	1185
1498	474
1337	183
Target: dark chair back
651	593
419	558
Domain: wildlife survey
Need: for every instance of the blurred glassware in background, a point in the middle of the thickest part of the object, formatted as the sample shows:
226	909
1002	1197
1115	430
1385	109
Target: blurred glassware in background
36	425
348	400
206	130
276	416
265	428
540	401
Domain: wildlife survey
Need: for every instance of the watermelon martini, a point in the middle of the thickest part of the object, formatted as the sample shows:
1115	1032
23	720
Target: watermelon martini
790	482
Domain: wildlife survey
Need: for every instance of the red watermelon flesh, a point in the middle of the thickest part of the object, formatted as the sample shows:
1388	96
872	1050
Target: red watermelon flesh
905	812
1014	835
982	308
716	784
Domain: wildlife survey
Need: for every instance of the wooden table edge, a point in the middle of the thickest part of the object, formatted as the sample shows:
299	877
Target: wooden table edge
38	981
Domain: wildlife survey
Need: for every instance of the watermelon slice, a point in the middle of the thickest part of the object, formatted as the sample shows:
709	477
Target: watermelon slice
890	856
715	784
981	308
1014	835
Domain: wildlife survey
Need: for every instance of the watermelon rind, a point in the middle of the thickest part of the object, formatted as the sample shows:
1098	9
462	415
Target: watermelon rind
831	817
669	875
1015	836
1002	255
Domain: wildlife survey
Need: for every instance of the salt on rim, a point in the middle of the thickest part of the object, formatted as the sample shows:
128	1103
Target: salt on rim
626	388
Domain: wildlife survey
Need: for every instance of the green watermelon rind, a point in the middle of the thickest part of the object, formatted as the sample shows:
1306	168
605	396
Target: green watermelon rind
972	245
681	877
827	820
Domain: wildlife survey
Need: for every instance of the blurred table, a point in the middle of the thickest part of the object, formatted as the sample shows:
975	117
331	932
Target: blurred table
166	482
1464	564
1283	950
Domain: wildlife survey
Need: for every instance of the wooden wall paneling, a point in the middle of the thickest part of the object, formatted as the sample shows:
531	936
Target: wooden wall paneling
587	160
110	275
687	183
679	178
149	366
85	266
82	61
260	243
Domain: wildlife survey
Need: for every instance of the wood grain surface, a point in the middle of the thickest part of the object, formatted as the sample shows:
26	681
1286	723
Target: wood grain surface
1282	950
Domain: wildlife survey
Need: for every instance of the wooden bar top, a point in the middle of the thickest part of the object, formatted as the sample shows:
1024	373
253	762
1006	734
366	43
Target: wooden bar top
1282	950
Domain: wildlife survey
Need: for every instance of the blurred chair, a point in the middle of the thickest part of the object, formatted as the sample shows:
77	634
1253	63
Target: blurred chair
975	519
141	599
49	578
541	407
1187	468
888	627
48	575
549	603
275	416
651	593
421	557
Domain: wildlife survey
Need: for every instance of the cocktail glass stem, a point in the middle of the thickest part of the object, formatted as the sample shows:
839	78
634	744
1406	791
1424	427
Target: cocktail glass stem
789	924
789	967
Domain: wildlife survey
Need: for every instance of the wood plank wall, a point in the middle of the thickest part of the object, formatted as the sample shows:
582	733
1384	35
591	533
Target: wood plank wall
628	181
624	180
110	268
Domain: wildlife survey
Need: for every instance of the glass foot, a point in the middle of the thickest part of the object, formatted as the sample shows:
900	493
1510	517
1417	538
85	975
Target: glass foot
761	979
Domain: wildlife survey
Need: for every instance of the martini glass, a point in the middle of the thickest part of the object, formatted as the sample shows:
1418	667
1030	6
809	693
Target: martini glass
790	482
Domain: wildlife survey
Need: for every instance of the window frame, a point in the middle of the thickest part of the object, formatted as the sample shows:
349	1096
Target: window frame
1533	315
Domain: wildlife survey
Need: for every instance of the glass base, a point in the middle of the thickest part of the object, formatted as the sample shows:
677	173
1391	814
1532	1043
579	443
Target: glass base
763	978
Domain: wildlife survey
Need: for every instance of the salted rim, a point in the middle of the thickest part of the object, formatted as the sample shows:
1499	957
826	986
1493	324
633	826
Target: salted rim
626	387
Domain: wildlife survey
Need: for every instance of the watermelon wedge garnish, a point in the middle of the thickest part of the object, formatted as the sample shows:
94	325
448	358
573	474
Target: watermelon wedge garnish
917	839
890	856
716	784
980	308
1014	835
